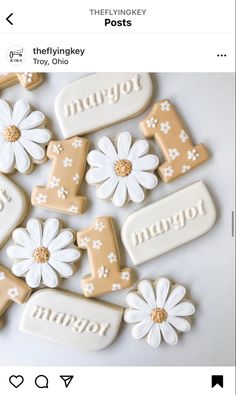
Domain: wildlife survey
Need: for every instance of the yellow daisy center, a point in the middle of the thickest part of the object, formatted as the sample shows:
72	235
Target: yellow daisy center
159	315
41	255
123	167
12	133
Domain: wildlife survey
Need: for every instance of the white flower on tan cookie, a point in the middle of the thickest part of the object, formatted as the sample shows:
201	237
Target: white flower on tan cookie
76	178
112	257
193	155
27	77
103	272
157	310
165	106
54	182
99	225
13	293
165	127
152	123
57	148
122	173
22	137
67	162
77	143
89	288
183	136
185	168
173	153
43	252
62	193
73	209
115	287
125	276
168	171
84	242
2	276
97	244
41	198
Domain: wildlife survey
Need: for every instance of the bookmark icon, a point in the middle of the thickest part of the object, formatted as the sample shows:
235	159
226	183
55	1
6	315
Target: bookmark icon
67	380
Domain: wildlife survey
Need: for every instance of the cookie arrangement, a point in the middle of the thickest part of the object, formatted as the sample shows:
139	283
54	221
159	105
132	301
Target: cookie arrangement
44	251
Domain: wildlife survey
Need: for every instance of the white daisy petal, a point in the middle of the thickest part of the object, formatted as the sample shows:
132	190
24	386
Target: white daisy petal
21	236
176	295
7	158
147	180
20	268
36	118
96	175
182	309
50	230
20	110
66	255
41	136
154	336
33	276
107	188
135	192
108	148
146	289
3	126
21	157
123	145
139	148
65	269
64	239
3	143
34	227
18	252
98	159
147	162
169	334
5	113
50	278
35	150
120	195
140	330
136	302
181	324
162	290
136	315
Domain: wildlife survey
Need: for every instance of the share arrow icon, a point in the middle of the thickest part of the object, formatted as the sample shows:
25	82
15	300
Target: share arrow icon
67	380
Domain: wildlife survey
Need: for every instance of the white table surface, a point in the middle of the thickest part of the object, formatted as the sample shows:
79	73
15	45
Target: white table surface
205	265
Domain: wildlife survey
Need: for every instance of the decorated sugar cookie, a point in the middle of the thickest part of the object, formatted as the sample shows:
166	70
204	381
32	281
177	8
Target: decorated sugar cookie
165	125
43	252
27	80
122	173
22	137
12	289
159	311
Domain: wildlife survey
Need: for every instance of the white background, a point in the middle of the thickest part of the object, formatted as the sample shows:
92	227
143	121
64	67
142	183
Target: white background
205	266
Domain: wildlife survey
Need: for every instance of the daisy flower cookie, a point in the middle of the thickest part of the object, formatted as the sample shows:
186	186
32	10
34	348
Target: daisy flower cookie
22	137
122	173
158	311
43	252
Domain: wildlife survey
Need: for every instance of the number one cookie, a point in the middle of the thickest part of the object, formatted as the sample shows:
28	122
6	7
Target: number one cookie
12	289
180	155
27	80
103	252
61	192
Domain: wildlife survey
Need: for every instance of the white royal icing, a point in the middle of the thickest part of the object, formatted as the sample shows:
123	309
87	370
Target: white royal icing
28	148
122	189
58	243
160	300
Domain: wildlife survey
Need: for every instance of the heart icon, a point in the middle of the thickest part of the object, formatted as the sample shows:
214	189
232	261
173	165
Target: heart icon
16	381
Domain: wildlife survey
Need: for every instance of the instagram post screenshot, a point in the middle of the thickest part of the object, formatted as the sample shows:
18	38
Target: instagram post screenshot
117	197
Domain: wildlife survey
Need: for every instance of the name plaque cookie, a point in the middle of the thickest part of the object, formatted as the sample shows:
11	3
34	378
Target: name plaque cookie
168	223
71	319
100	100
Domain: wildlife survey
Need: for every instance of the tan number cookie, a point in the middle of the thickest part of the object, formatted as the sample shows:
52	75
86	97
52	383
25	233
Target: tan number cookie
27	80
166	126
61	192
12	289
103	251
